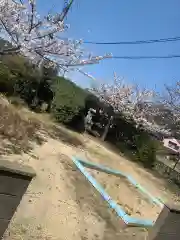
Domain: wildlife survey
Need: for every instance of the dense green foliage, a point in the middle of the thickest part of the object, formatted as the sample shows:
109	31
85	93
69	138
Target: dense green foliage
20	78
69	100
134	142
145	150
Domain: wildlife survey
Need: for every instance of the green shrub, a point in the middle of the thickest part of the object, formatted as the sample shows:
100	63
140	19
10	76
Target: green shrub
69	99
7	81
146	151
65	113
137	145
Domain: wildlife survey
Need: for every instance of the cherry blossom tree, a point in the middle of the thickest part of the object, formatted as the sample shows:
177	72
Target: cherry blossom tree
39	38
172	98
132	101
124	97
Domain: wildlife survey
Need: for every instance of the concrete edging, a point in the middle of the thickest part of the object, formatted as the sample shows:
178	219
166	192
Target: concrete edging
129	221
119	173
16	168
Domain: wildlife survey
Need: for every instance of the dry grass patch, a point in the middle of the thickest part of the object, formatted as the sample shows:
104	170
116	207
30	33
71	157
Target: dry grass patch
20	128
16	131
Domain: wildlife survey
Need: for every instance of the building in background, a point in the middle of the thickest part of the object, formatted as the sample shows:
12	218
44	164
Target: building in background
172	144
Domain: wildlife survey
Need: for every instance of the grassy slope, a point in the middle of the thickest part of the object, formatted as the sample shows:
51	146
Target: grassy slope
20	128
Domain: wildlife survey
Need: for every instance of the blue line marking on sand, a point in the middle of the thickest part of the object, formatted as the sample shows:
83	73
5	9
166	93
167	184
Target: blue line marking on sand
143	190
130	221
92	180
120	212
138	222
101	167
129	178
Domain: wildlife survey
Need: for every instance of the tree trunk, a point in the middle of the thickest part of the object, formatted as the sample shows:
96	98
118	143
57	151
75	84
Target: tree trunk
49	106
104	135
177	161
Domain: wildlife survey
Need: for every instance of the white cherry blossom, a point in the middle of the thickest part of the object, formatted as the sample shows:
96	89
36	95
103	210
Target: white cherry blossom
38	37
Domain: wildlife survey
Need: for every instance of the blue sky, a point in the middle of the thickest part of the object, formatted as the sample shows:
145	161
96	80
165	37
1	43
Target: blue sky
125	20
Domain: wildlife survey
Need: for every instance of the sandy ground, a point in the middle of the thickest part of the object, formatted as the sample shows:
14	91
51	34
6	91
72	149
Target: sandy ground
126	195
61	204
153	182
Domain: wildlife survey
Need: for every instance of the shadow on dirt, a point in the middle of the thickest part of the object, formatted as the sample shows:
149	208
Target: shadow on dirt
63	135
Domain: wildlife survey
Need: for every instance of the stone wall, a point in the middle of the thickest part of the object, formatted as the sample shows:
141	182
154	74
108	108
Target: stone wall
166	226
14	180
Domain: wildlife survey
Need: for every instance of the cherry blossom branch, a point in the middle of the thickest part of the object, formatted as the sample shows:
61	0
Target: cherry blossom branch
174	96
36	37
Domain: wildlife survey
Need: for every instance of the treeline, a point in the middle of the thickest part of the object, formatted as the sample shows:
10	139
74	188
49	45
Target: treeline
69	104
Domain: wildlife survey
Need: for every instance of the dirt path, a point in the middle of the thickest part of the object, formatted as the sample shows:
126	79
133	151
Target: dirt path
60	204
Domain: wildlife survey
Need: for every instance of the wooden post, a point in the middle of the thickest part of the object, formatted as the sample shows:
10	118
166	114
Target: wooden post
14	180
167	226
